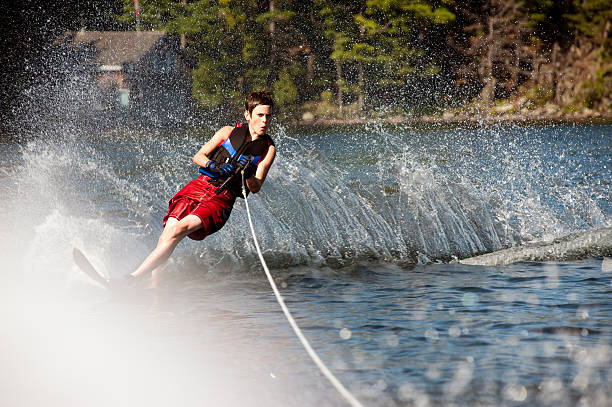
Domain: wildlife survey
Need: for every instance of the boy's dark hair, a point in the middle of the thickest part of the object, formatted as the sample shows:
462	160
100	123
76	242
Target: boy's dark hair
257	98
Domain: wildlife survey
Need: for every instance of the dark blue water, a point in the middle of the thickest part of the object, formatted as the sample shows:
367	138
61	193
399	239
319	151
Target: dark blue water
363	228
530	332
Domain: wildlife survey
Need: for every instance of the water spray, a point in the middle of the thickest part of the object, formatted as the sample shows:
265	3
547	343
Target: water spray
298	332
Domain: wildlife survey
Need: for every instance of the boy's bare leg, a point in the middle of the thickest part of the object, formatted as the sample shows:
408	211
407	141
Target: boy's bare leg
158	273
173	233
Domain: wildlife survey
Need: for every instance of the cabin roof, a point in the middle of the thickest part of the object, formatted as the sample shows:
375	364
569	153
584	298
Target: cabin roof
115	48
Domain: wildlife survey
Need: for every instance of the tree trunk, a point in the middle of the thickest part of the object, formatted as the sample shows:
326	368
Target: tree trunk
360	74
339	84
514	70
604	39
272	28
606	32
137	14
488	91
310	67
555	74
360	85
183	38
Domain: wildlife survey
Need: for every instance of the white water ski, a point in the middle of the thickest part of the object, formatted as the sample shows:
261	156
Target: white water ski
86	267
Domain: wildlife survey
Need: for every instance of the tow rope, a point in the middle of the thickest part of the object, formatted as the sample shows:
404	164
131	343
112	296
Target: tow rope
298	332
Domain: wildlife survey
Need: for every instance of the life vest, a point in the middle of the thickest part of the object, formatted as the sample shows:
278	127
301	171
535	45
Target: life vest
235	144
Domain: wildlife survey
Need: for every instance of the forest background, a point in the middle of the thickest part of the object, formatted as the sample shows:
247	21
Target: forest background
353	59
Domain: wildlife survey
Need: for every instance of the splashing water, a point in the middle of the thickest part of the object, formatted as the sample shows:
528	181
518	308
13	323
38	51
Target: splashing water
333	196
343	218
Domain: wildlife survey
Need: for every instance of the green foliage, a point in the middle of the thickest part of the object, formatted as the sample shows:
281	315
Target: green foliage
275	16
393	28
569	109
380	39
382	49
285	91
594	92
327	96
256	78
206	85
538	96
597	89
154	14
591	17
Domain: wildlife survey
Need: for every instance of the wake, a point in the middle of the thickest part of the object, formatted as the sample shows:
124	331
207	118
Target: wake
577	246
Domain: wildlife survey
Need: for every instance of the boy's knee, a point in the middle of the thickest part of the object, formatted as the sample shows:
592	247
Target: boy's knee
178	230
174	232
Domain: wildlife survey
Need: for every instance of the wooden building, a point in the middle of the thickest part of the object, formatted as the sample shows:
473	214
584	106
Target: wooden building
142	76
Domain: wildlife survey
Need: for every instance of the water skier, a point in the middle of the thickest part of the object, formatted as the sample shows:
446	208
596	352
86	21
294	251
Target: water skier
203	206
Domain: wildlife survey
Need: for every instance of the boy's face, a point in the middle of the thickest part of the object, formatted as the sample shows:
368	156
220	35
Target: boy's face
259	119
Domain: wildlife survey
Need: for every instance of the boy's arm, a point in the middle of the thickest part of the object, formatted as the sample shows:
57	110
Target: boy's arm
255	182
201	157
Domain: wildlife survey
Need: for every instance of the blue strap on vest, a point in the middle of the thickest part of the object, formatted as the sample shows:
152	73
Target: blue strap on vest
234	155
227	144
256	159
210	173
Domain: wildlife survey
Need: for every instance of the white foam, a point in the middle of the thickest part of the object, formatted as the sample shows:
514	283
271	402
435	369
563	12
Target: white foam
581	245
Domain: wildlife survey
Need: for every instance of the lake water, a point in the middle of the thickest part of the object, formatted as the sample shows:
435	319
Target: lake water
367	230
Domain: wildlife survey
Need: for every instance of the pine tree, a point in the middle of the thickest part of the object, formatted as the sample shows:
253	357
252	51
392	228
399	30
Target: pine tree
497	45
340	28
593	19
154	14
394	44
378	42
593	22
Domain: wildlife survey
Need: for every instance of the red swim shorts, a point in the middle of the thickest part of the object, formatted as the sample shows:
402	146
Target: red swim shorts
198	198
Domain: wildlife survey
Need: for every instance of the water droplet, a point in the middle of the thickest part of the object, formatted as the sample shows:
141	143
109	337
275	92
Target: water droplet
432	335
469	299
454	331
392	340
517	392
380	385
345	333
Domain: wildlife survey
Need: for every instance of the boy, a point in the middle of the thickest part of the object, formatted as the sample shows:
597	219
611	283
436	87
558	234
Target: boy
203	206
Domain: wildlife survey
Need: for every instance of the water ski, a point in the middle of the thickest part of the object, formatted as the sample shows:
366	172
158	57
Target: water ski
87	268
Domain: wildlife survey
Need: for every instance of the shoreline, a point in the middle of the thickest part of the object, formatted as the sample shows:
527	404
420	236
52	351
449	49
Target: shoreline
476	120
